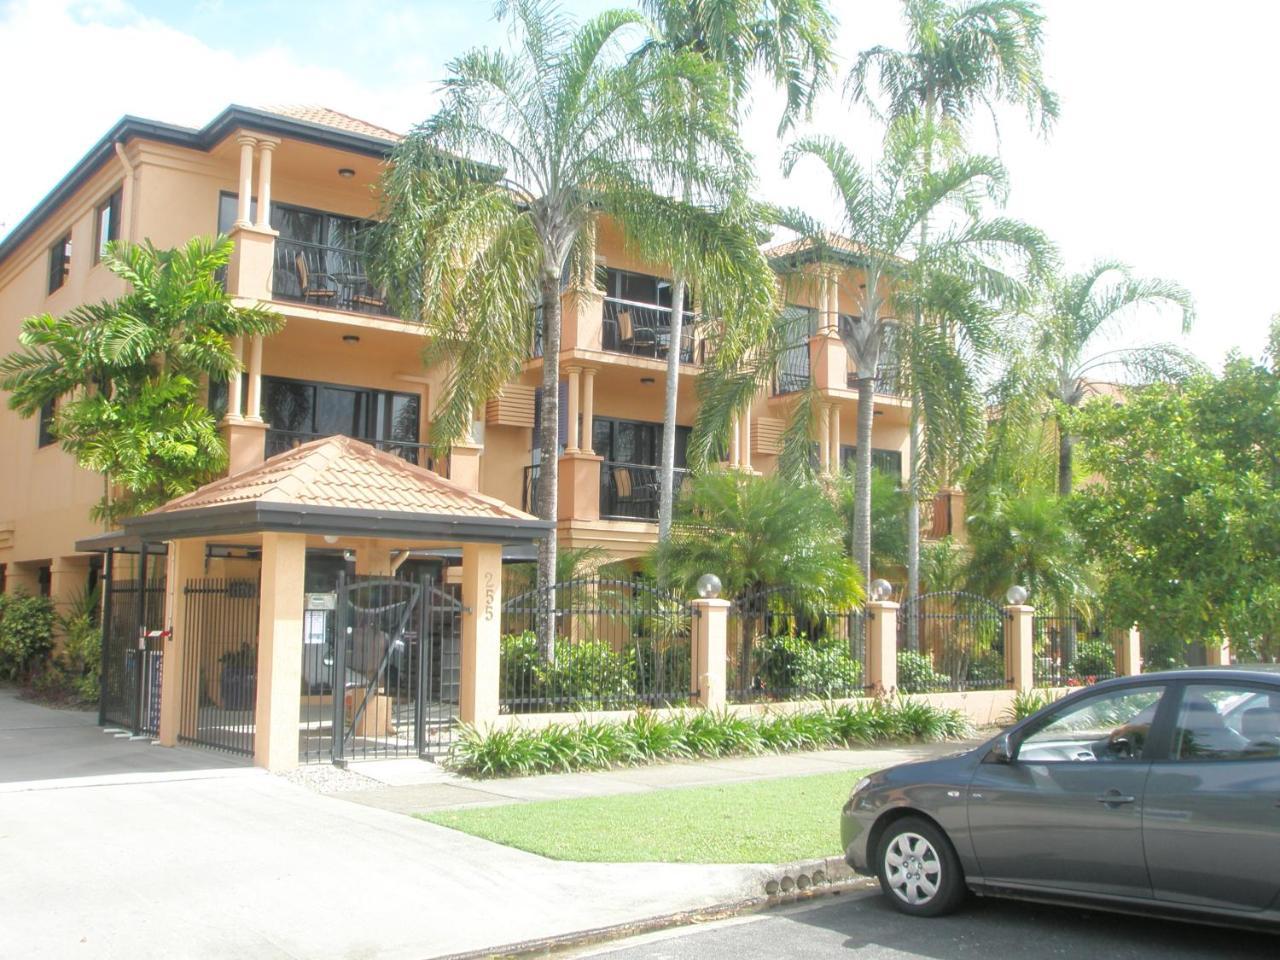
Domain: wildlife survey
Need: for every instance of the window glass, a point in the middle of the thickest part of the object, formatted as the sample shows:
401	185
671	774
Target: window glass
404	418
219	397
801	323
288	405
886	461
59	262
342	411
108	225
294	224
228	209
1105	727
46	437
1227	722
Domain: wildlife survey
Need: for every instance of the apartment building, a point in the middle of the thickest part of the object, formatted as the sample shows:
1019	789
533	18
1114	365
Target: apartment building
293	187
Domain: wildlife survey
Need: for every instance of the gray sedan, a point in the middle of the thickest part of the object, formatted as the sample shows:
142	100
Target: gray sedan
1158	793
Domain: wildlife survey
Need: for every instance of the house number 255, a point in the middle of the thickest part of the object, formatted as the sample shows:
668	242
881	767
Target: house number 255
490	590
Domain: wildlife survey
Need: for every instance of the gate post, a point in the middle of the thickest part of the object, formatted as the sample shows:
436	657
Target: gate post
1019	626
710	650
481	632
279	698
882	647
186	558
1218	654
1129	654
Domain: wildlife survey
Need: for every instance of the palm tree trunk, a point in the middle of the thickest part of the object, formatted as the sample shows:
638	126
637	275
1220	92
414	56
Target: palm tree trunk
548	465
1066	452
666	484
862	478
913	521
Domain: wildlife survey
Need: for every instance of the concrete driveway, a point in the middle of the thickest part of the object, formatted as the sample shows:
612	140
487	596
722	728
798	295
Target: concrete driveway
228	861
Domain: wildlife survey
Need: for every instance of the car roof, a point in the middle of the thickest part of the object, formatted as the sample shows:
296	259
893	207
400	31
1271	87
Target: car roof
1268	673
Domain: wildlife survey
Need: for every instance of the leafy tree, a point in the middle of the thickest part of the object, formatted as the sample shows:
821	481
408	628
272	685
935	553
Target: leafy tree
756	533
790	40
960	56
563	127
1186	518
125	373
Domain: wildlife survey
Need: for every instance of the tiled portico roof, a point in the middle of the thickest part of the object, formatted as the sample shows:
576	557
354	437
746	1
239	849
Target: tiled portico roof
325	117
342	473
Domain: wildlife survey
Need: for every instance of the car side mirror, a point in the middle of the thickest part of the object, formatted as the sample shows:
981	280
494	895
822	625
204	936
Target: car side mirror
1002	751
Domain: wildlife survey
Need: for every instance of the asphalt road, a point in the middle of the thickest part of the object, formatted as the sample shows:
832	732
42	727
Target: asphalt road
859	926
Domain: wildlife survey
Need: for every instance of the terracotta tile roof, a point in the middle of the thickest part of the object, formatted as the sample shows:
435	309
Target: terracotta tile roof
833	240
324	117
339	472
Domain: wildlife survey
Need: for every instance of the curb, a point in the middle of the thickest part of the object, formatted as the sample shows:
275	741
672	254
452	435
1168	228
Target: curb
782	884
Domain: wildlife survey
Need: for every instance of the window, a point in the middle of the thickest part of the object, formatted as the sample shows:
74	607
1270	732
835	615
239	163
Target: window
643	288
59	262
1109	726
886	461
634	441
1227	722
45	438
107	225
312	410
228	208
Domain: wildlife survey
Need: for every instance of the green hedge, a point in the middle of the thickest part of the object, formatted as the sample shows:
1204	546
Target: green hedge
820	669
26	634
646	737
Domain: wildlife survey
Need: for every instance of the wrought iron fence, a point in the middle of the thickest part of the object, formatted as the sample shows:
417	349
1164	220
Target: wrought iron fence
644	329
220	664
325	276
132	653
793	369
950	640
631	491
785	644
609	645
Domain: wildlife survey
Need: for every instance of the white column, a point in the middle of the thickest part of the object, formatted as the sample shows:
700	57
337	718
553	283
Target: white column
234	383
835	438
745	453
247	144
824	439
571	442
265	150
588	409
254	411
734	455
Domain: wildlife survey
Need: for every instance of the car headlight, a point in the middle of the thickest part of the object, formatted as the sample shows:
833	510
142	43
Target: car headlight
859	787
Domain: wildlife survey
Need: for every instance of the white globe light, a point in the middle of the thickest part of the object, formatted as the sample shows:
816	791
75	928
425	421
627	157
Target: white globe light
881	589
1016	595
708	586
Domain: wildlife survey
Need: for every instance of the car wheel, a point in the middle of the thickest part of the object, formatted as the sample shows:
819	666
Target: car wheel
919	870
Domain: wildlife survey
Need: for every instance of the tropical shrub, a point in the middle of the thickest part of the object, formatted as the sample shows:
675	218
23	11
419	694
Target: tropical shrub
588	674
916	673
1094	658
822	668
82	656
647	737
1025	703
26	634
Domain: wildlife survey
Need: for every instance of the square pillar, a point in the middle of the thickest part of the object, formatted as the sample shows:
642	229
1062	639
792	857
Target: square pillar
279	698
882	647
710	651
1129	654
251	272
481	632
581	318
578	486
373	558
22	578
1019	646
829	361
185	562
464	464
246	443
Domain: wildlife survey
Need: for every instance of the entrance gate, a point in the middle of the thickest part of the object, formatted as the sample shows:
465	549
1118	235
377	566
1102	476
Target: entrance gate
381	670
132	651
950	640
220	664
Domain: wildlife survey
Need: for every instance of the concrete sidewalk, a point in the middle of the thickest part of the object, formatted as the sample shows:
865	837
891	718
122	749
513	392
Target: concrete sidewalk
410	786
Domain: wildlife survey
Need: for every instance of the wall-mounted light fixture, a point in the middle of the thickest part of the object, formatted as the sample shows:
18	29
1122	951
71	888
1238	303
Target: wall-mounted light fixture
350	338
346	173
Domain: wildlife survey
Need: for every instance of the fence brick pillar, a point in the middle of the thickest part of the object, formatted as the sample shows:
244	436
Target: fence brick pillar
710	650
1218	654
279	696
185	562
1129	654
882	646
1019	642
481	632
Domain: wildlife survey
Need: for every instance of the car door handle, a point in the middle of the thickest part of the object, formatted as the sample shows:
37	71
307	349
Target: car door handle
1115	797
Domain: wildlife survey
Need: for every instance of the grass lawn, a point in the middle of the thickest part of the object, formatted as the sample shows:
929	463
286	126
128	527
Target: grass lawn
764	821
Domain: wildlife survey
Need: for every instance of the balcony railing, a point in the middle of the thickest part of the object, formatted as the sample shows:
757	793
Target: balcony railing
278	441
325	276
886	381
644	330
793	369
630	491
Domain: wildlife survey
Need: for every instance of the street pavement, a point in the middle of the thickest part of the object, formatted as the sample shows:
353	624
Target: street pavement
860	926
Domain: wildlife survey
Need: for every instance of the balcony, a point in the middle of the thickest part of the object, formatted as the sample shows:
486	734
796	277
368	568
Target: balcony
886	381
644	330
628	491
322	275
278	441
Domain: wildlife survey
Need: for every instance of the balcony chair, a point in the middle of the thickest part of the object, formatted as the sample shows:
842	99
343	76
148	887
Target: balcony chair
316	287
634	495
365	295
635	339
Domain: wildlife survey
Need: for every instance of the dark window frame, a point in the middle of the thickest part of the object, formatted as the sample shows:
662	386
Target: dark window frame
378	411
111	207
656	440
44	435
60	263
886	461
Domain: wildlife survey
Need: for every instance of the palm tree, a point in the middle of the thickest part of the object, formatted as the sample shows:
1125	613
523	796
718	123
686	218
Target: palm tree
1083	309
881	210
125	373
790	40
959	56
562	128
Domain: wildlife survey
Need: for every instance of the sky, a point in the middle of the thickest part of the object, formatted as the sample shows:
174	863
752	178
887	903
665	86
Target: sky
1163	158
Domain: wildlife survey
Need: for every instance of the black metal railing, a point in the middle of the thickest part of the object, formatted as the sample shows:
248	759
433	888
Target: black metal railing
130	695
631	491
1068	651
612	645
950	640
793	369
325	276
220	664
529	489
788	644
644	330
278	441
886	382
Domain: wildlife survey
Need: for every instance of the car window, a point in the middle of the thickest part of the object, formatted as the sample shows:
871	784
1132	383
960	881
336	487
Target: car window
1106	727
1223	721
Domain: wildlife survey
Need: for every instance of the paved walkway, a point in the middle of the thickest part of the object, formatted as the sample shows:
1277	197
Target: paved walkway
410	786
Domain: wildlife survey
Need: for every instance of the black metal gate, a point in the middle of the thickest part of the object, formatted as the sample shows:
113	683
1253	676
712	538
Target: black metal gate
950	640
381	670
132	651
220	664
